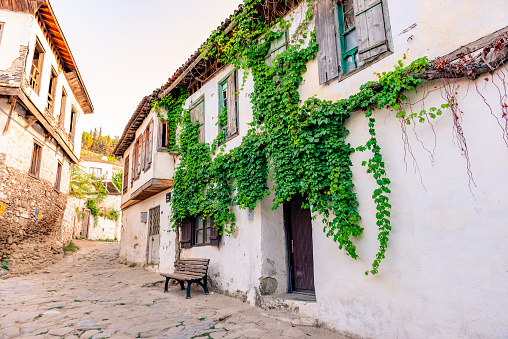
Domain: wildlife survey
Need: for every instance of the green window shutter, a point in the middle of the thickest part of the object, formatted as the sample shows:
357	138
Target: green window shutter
370	25
198	114
232	128
328	61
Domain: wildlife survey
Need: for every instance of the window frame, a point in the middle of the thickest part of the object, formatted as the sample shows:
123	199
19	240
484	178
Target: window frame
36	160
53	80
365	63
148	145
126	174
202	129
63	104
188	227
58	180
272	50
223	90
207	225
2	28
35	80
342	39
72	127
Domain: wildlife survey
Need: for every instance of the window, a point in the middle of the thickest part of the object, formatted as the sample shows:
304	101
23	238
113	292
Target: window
51	92
197	114
72	129
227	104
277	46
35	165
146	158
95	171
61	117
126	174
2	27
163	136
148	145
37	62
363	35
58	176
198	231
202	231
136	161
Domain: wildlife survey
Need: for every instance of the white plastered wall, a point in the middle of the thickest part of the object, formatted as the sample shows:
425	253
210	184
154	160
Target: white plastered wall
444	271
162	162
134	244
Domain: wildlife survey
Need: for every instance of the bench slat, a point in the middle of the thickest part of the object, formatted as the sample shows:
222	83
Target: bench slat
198	263
180	276
193	267
195	259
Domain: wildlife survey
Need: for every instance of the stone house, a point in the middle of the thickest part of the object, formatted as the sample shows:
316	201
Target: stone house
42	98
106	228
444	274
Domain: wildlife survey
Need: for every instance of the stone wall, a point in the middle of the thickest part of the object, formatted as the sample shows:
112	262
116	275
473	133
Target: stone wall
25	241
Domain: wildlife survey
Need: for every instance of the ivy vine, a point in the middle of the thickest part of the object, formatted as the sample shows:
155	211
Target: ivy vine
300	147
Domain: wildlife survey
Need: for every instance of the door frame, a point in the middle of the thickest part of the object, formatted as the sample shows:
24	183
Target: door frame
289	254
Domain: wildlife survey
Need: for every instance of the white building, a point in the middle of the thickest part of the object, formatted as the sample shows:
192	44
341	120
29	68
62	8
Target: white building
42	98
147	179
444	274
106	227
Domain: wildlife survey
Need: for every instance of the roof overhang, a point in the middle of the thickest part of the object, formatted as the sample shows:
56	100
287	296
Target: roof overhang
194	69
149	189
49	25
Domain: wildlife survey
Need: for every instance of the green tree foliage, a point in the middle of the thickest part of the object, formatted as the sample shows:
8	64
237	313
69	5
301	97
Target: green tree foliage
117	180
100	144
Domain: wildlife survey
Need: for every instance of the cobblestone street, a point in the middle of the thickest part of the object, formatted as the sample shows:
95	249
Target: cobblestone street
91	295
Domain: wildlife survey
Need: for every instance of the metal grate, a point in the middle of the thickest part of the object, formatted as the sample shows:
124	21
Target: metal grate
154	221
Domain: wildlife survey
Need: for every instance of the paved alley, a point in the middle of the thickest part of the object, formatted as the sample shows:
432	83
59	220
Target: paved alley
91	295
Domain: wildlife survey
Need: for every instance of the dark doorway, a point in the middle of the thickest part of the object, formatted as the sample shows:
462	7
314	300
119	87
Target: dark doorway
86	225
299	241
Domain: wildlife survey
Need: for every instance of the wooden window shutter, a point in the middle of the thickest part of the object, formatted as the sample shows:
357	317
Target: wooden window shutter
150	143
138	170
185	240
197	114
327	57
232	127
214	234
143	150
370	25
133	174
125	174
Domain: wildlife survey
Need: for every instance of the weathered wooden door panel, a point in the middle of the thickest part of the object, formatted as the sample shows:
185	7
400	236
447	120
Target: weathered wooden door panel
86	225
153	235
153	255
299	227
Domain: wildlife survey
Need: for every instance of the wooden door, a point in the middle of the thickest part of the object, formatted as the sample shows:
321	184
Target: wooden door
85	226
153	235
299	233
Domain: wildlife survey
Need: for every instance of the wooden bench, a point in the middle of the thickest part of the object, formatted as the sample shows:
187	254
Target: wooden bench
190	271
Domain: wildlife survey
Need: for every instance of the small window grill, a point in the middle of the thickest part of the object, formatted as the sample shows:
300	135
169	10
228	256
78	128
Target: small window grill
154	221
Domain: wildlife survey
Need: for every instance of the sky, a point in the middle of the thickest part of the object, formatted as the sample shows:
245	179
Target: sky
126	49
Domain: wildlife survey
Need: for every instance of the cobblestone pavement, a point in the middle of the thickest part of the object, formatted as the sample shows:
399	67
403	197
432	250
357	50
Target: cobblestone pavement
91	295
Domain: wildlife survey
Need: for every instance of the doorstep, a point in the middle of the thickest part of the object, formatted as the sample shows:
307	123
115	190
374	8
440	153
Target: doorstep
304	306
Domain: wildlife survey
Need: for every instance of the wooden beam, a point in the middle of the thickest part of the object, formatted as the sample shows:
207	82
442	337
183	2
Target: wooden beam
190	68
14	99
32	121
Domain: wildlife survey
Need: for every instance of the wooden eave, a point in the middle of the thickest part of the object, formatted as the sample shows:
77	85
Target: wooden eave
25	6
56	39
196	71
148	190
